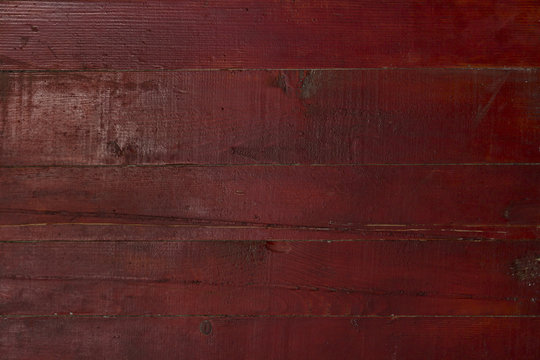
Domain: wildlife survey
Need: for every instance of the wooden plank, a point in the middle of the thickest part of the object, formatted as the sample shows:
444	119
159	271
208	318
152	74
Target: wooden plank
92	231
268	34
271	278
273	196
322	117
247	338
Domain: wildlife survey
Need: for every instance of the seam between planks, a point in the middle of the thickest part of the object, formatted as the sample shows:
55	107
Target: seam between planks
286	316
187	165
280	226
265	241
474	68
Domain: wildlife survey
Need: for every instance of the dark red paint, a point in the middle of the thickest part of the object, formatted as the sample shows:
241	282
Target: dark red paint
320	197
273	338
379	199
171	34
272	278
286	117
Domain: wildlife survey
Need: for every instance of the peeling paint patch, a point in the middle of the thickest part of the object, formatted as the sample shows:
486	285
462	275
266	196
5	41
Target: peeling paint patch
527	269
282	82
309	84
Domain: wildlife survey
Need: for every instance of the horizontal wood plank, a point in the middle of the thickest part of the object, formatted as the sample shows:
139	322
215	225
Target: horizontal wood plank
92	231
324	197
308	117
245	338
271	278
267	34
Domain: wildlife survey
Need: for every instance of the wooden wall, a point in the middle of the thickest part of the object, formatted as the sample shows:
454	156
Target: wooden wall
235	179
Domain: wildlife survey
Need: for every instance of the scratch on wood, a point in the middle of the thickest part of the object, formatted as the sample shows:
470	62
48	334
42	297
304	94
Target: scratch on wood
52	51
482	112
6	60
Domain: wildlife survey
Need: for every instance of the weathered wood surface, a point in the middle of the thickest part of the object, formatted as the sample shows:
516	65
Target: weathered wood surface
271	338
278	278
174	34
308	117
273	196
383	203
90	230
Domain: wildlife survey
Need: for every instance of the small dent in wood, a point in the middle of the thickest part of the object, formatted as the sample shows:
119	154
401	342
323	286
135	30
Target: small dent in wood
278	246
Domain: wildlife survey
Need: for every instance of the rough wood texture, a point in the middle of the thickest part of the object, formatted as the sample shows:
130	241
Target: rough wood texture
224	117
282	338
280	278
273	196
90	230
383	203
268	34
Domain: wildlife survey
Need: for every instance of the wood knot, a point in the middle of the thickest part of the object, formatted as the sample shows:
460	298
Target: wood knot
205	327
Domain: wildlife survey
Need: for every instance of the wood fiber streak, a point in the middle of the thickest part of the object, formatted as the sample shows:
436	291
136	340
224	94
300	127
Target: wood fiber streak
173	34
312	338
273	196
271	278
308	117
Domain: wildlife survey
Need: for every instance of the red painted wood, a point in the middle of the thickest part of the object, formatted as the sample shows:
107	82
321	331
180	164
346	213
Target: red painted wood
275	196
268	34
92	231
323	117
273	338
271	278
361	211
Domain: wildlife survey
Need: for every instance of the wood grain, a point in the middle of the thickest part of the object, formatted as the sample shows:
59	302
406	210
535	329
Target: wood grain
268	34
283	338
308	117
273	196
242	179
271	278
110	231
